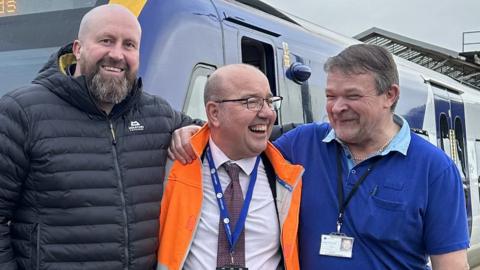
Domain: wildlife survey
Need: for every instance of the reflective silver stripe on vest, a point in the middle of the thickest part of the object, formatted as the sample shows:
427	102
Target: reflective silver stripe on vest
161	267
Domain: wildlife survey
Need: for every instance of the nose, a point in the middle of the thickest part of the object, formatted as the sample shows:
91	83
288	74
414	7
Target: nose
116	52
338	105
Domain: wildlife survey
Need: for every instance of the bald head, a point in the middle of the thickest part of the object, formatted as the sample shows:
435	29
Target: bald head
230	77
96	17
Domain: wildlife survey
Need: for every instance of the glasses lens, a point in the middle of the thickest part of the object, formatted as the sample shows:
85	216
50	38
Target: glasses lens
255	103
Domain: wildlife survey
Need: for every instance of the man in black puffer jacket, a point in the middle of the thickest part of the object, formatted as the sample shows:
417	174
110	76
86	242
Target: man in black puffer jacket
82	156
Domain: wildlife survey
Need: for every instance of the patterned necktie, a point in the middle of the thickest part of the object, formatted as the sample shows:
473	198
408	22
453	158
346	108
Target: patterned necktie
233	197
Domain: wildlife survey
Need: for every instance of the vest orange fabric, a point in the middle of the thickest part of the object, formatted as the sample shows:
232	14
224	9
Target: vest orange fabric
182	203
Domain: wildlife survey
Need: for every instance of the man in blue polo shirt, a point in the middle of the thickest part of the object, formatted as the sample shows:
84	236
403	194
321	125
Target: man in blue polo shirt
375	195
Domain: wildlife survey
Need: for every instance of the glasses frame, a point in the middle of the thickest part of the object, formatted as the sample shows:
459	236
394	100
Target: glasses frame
269	100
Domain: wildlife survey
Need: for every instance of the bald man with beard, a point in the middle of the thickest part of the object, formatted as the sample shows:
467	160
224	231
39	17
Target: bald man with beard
83	156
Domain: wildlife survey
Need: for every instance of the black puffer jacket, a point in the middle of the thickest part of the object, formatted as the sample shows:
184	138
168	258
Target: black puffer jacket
80	189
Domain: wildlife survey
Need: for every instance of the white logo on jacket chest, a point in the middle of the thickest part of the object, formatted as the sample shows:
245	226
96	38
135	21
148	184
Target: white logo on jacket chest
135	126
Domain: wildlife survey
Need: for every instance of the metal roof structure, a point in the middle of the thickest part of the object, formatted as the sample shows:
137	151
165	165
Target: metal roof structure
463	67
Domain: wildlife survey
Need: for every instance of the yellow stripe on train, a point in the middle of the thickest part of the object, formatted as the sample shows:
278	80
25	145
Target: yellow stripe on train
135	6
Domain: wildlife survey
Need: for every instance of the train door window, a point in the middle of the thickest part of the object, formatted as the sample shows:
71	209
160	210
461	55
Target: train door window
460	145
260	55
194	104
444	139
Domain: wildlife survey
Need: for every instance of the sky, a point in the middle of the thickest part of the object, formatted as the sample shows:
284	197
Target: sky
438	22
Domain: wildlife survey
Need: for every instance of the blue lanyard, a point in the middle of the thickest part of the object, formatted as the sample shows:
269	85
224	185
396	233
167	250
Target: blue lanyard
232	239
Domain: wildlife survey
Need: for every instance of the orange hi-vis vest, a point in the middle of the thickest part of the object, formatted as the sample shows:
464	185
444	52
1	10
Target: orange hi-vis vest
182	204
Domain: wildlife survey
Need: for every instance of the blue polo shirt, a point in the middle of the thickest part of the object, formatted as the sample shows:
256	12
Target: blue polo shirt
410	205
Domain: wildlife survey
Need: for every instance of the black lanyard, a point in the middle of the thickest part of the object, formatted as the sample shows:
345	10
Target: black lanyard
341	204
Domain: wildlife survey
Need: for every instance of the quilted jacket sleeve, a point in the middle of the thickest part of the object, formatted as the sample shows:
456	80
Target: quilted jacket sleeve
13	171
180	120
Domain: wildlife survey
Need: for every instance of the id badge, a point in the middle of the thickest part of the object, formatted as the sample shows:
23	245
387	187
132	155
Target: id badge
336	245
232	268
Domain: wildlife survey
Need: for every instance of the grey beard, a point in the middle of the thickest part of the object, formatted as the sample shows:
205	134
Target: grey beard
109	90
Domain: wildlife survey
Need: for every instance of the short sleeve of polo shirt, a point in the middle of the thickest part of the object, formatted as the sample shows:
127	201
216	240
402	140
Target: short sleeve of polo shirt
296	142
445	223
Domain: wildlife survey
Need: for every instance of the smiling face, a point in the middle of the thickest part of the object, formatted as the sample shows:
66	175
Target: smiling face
238	131
356	111
107	52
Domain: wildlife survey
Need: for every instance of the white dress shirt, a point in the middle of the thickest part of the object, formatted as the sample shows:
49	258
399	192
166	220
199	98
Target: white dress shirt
262	231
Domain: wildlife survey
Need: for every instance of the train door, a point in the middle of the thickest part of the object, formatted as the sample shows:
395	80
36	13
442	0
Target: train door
451	137
249	44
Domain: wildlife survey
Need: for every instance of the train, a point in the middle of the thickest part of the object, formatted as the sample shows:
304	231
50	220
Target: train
184	41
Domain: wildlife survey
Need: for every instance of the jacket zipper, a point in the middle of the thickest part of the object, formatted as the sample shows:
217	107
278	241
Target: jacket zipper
122	194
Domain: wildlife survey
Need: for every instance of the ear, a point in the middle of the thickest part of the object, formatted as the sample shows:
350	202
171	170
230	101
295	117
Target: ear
212	109
392	95
77	46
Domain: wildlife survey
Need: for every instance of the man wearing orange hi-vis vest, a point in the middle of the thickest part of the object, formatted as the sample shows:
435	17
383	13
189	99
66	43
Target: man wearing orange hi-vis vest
236	206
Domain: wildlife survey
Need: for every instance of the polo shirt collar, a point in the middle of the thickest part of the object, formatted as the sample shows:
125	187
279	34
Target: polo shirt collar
399	143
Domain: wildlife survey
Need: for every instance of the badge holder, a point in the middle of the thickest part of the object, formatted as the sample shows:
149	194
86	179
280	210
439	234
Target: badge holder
336	244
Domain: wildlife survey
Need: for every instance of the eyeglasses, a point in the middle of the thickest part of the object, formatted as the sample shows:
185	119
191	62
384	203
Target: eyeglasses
256	103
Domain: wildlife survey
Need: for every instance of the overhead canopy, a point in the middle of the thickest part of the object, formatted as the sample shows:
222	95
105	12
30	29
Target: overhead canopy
463	67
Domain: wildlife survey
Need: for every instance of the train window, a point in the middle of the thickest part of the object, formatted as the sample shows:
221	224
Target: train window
260	55
194	105
460	145
444	142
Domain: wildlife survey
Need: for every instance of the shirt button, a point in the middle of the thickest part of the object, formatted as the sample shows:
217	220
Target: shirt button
354	172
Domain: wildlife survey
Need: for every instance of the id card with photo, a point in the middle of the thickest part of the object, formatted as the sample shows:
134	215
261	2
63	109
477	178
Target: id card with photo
336	245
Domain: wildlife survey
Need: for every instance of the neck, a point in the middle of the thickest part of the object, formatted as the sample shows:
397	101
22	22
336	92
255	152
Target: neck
364	150
106	107
226	147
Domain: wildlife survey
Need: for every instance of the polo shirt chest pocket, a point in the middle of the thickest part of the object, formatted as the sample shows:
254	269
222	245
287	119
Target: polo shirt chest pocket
383	217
